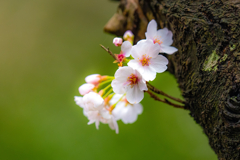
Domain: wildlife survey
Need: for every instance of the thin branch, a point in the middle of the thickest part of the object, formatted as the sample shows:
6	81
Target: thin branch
155	90
165	101
107	49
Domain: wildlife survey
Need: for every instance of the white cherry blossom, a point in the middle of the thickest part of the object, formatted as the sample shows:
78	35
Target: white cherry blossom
93	102
86	88
125	111
104	116
95	110
162	37
146	59
129	81
94	117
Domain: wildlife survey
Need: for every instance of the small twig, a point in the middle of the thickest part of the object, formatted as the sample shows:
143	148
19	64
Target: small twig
165	101
155	90
107	49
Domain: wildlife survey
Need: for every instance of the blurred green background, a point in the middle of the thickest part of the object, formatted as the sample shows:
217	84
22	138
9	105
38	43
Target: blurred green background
47	47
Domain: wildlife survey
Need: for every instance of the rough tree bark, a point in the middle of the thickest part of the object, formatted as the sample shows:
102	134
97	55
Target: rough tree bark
206	65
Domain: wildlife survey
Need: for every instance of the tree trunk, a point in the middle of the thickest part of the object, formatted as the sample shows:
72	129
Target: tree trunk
206	65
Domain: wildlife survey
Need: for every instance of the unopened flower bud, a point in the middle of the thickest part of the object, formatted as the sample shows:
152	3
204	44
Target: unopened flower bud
128	36
86	88
93	79
117	41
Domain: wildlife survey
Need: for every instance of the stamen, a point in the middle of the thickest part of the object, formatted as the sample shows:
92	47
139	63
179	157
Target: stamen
132	79
145	61
157	40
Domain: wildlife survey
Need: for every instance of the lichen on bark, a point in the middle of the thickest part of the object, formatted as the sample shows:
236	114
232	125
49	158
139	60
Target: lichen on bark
211	62
206	66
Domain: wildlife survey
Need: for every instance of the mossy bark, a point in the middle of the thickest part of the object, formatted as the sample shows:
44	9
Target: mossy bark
207	64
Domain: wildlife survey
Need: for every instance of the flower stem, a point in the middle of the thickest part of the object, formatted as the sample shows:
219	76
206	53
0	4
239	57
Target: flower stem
110	91
107	49
165	101
104	82
155	90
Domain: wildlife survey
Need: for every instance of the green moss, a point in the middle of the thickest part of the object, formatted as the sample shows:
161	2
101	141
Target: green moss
210	62
232	47
224	58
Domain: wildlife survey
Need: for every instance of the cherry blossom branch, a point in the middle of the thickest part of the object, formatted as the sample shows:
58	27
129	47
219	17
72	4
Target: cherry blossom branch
165	100
107	49
155	90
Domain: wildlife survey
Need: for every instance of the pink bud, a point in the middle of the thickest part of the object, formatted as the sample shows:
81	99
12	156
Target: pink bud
93	79
86	88
128	34
117	41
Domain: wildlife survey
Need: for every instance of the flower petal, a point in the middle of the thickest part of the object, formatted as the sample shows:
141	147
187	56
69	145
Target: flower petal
118	110
93	101
139	49
119	83
130	116
151	29
142	85
79	101
118	87
126	48
93	116
97	124
168	49
153	49
149	73
93	78
161	33
123	71
167	40
135	65
159	63
138	108
134	94
86	88
115	125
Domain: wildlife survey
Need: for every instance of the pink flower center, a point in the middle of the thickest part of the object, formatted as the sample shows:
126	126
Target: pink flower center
156	40
133	79
145	61
121	57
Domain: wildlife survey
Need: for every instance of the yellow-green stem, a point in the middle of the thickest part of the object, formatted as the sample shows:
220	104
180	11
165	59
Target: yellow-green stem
104	82
109	92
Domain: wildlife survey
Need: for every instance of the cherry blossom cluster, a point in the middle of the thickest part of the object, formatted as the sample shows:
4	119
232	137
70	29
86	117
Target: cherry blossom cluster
108	99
